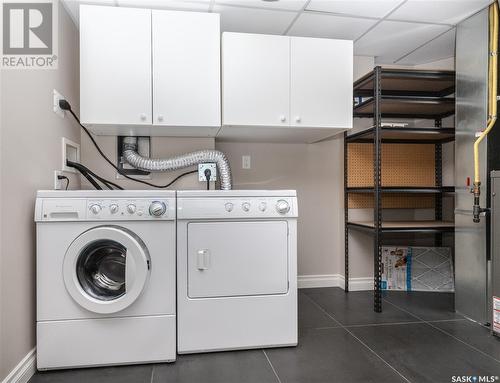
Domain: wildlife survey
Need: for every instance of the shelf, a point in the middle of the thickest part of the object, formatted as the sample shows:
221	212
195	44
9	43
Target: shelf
404	189
408	107
404	226
398	82
405	135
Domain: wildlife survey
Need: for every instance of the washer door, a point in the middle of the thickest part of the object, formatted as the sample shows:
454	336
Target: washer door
106	268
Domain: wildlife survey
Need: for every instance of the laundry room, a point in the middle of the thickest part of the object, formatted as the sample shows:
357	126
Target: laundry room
249	191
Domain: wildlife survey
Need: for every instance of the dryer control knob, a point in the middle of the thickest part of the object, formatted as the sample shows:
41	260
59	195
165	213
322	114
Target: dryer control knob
245	206
157	208
113	208
131	208
282	206
95	208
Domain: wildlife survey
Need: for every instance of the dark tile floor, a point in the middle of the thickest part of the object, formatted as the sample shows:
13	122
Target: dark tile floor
418	338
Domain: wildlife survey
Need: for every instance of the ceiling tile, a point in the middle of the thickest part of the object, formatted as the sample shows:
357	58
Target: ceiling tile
252	20
364	8
179	5
438	11
329	26
438	49
291	5
391	40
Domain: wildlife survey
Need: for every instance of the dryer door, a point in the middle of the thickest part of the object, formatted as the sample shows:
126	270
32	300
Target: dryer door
228	259
106	268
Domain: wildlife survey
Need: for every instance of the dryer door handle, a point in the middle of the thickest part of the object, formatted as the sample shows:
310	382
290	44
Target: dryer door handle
203	259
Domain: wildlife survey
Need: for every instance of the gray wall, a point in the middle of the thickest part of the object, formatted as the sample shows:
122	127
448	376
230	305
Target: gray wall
30	150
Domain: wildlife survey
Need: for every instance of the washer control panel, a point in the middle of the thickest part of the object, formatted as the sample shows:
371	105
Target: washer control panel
252	207
130	209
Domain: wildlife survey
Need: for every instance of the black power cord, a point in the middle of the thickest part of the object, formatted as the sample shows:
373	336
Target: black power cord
83	169
64	105
208	173
64	178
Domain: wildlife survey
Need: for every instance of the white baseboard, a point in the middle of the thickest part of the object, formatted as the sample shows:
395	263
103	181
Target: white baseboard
359	284
24	370
311	281
334	280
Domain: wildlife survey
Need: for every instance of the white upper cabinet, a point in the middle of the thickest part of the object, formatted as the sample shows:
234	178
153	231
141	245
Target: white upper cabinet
186	69
115	65
150	72
271	82
255	82
321	82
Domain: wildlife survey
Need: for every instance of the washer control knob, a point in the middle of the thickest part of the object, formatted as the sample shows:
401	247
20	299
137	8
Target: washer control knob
95	208
229	206
245	206
131	208
157	208
262	206
282	206
113	208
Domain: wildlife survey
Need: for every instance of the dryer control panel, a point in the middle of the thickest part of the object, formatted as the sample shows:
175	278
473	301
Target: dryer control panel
232	208
107	209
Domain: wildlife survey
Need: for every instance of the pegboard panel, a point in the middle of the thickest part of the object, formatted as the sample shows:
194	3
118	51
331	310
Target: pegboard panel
392	201
402	165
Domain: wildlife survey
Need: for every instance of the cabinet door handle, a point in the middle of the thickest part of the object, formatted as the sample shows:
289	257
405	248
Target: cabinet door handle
282	118
160	117
297	118
143	116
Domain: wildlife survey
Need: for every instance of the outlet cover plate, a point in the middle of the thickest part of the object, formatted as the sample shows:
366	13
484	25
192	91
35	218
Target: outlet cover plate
57	181
201	172
57	109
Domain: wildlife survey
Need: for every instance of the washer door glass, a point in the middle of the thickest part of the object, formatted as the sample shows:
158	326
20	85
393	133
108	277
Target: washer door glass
106	269
100	269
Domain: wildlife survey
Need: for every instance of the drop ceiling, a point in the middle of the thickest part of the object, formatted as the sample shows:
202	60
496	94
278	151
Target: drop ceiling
407	32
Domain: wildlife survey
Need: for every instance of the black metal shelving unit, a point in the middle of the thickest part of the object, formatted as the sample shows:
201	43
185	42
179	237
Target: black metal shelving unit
403	94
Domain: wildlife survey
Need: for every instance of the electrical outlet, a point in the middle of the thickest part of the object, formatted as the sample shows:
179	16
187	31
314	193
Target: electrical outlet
201	172
246	162
57	181
57	109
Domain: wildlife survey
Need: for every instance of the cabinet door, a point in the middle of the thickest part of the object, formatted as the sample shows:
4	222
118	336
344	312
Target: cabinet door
115	65
321	82
186	68
255	79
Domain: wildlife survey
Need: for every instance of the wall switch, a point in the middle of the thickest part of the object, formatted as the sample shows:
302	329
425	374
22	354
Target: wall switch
57	109
201	172
57	181
246	162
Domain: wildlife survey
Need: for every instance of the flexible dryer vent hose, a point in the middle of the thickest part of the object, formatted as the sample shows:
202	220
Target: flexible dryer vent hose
492	104
161	165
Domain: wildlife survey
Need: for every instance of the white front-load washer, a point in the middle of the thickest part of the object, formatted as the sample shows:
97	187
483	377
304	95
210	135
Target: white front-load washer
105	278
236	269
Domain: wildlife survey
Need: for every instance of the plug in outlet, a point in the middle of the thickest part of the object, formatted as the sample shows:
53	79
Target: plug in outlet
57	109
201	172
57	182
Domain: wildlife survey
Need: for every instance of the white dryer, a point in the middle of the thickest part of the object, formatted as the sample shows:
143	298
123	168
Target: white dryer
236	270
105	278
